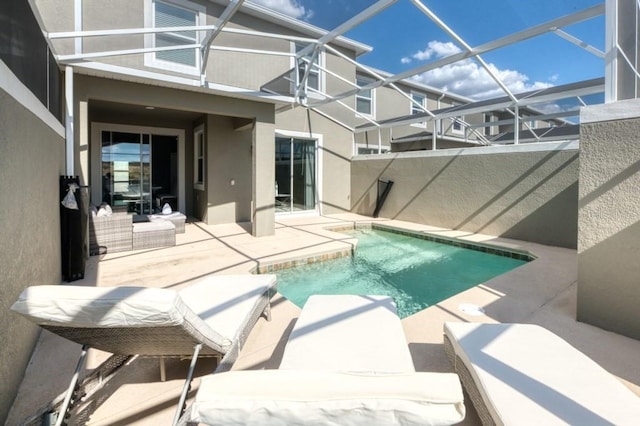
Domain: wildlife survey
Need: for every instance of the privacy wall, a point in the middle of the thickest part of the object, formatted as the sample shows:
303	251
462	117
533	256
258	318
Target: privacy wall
526	192
609	217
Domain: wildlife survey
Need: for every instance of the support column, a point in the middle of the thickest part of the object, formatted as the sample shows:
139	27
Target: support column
263	180
68	102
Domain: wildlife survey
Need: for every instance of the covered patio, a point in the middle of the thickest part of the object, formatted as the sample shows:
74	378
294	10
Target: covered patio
541	292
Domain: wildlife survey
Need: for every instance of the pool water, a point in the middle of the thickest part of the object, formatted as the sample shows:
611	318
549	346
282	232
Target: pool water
416	273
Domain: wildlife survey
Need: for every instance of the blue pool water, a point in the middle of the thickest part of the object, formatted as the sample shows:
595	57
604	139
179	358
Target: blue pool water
417	273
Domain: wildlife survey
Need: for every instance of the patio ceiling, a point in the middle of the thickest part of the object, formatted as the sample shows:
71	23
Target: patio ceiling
558	27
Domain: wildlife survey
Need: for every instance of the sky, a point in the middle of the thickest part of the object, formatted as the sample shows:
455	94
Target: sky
403	37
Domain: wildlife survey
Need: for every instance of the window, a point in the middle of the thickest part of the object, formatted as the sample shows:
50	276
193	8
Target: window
174	13
370	149
419	99
364	99
456	126
490	130
199	165
314	79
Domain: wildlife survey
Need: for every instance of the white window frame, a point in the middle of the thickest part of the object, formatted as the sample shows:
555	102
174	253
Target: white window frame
150	59
413	108
197	155
372	99
318	137
96	152
455	122
320	61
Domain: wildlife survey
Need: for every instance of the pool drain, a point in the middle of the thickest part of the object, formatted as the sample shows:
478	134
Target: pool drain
471	309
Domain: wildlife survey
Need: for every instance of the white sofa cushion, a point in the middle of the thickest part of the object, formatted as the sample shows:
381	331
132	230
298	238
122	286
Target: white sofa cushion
311	397
527	375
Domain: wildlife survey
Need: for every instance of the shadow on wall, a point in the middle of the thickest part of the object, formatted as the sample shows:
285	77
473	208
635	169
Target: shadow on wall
528	195
513	186
366	201
608	290
553	223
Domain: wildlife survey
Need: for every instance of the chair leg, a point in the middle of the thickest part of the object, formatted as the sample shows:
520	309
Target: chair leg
163	370
267	311
187	385
67	403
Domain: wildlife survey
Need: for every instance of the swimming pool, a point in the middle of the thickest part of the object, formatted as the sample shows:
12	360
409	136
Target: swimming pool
416	272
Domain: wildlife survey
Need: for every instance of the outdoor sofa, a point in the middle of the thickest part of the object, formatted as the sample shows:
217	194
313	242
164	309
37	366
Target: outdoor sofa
211	317
523	374
346	362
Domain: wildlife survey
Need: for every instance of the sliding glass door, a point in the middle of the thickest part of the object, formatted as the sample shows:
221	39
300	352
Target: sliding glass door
137	169
295	175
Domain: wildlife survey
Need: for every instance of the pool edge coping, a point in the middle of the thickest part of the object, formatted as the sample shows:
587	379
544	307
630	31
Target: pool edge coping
271	266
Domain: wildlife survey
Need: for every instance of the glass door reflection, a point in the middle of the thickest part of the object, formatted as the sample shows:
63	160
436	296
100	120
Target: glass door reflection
295	185
126	171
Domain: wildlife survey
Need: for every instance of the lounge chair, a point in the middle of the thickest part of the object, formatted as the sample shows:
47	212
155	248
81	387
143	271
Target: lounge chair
524	374
346	362
211	317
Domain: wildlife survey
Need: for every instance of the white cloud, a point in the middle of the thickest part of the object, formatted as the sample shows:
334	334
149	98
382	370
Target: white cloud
467	77
288	7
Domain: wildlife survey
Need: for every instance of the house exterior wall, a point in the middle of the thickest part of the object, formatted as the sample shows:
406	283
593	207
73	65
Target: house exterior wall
218	131
32	155
609	217
336	152
389	103
527	193
31	161
229	171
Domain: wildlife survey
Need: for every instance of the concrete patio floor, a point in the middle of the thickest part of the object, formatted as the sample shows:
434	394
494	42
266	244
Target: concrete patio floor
541	292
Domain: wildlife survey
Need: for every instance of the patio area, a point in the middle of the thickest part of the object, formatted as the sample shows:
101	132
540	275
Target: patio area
541	292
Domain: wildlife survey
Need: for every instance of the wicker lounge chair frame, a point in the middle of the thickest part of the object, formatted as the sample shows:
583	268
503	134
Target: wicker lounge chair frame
127	344
469	385
598	399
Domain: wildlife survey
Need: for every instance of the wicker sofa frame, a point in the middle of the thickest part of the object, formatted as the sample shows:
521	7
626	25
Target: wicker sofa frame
110	234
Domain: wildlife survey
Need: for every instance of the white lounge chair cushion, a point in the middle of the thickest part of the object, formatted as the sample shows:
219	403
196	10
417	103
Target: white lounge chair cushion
310	397
529	376
224	302
78	306
348	333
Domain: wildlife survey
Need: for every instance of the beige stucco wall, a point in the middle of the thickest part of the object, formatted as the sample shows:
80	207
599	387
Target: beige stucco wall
609	218
527	192
335	155
228	171
31	161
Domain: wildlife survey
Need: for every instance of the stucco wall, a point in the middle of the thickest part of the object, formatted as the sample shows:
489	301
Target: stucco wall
528	192
229	172
609	218
31	161
335	154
